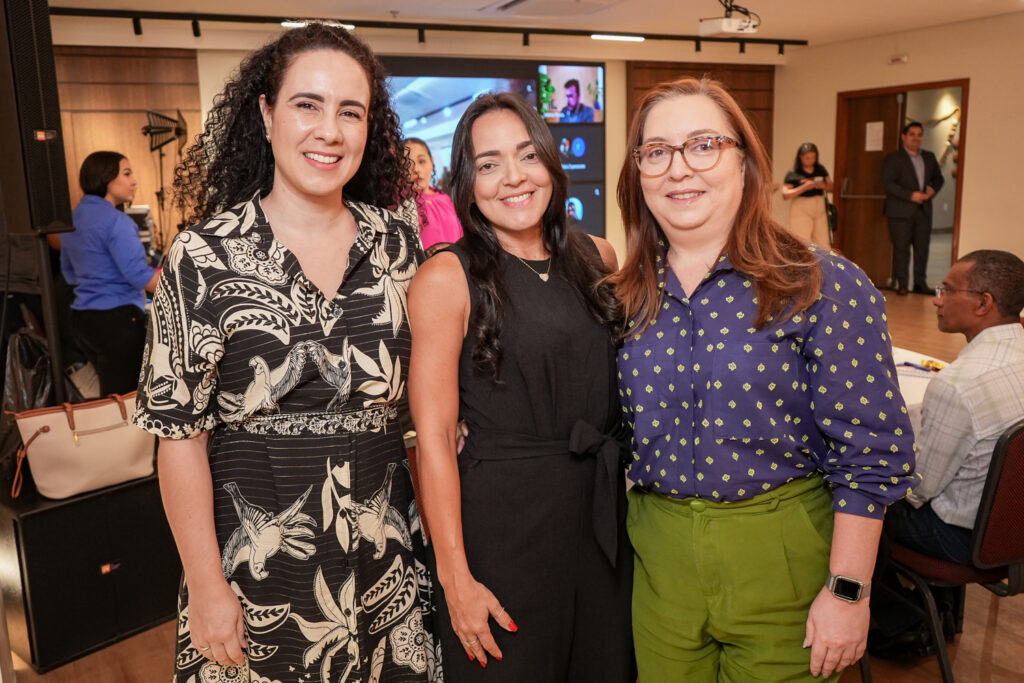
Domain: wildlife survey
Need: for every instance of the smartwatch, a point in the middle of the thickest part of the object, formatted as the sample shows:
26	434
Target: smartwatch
848	589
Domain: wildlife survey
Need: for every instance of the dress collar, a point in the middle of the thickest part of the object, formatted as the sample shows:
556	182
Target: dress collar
247	223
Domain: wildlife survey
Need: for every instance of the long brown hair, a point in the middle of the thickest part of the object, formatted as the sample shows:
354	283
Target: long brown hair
786	274
570	250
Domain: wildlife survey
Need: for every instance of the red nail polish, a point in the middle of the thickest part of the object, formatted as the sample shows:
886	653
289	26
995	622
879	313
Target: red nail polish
483	663
498	658
471	657
512	626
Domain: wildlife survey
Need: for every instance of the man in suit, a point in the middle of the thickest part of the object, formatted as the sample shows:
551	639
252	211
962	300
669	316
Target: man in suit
911	177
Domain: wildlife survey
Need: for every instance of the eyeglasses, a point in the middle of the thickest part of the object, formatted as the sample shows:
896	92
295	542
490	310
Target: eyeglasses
701	153
942	290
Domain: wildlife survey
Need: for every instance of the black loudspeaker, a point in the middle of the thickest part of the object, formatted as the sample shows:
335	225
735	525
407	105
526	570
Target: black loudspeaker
82	573
34	193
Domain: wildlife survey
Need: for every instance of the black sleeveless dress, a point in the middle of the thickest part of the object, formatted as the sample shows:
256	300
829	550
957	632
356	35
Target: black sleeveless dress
543	490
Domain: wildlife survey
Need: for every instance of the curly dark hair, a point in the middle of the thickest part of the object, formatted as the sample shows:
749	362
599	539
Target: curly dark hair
571	255
231	159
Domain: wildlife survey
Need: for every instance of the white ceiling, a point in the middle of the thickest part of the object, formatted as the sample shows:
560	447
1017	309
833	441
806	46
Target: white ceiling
821	21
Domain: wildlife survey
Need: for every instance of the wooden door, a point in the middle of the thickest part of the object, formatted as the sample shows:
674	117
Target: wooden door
863	234
753	86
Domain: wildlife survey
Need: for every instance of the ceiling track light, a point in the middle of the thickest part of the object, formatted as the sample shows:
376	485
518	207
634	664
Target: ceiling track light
525	31
612	36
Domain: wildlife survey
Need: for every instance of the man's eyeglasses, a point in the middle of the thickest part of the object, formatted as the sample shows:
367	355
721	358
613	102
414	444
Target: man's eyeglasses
942	290
701	153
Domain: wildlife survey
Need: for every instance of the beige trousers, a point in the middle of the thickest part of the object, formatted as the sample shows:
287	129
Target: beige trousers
807	220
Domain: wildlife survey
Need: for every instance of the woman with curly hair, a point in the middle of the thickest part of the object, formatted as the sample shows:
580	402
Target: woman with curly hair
769	434
275	359
513	332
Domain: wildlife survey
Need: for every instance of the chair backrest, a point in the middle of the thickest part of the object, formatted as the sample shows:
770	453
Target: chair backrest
999	529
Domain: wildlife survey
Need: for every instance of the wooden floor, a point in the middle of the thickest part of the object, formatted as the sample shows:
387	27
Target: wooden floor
989	651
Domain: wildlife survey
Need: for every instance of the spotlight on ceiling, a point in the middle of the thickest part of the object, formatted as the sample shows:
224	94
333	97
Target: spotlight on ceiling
609	36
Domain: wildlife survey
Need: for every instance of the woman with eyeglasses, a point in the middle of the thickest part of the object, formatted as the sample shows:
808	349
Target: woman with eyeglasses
769	432
805	187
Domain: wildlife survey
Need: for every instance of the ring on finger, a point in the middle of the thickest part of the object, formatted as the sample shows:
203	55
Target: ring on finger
471	643
203	649
501	612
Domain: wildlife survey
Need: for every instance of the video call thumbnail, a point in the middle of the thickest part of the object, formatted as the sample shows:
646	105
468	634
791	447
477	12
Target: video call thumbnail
581	149
584	208
571	93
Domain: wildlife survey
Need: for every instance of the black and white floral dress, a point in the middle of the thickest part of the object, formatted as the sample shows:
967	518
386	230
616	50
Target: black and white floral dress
313	500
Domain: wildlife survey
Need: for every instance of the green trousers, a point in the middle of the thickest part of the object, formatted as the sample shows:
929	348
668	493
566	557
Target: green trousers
721	591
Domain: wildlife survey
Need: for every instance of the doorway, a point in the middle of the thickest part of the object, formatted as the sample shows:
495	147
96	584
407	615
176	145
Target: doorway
868	126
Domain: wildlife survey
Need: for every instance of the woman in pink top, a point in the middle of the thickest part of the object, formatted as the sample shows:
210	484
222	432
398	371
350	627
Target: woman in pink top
439	226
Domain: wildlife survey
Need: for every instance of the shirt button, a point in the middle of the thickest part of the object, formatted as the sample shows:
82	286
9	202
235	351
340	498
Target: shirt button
336	313
698	505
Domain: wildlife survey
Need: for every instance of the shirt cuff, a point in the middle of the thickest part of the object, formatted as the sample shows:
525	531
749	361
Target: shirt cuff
142	279
854	502
167	428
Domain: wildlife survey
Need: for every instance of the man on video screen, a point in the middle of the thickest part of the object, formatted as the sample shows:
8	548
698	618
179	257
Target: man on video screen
575	111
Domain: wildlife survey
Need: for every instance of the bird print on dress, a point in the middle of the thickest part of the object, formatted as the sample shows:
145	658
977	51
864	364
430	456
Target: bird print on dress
260	536
267	386
245	346
378	521
335	369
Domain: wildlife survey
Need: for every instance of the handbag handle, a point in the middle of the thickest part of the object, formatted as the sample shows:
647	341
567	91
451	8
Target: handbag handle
69	410
19	478
119	399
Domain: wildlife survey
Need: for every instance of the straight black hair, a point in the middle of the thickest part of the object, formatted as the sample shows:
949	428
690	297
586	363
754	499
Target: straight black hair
98	170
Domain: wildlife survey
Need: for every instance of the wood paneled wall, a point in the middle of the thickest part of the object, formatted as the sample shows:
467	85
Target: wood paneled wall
753	86
104	95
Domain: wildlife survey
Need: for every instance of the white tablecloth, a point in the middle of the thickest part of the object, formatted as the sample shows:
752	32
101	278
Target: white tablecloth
913	381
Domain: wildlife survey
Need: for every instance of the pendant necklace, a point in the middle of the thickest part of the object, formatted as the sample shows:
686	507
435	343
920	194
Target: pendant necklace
543	276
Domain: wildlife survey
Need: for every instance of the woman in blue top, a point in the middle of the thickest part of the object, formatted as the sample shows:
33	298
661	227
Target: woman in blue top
769	432
106	262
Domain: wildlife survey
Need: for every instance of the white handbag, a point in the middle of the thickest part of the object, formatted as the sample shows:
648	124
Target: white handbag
74	448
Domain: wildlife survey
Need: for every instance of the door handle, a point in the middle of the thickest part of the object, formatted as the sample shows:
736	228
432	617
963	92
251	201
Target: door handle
846	184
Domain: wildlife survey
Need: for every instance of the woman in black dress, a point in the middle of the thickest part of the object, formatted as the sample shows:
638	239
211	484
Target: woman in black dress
275	359
514	331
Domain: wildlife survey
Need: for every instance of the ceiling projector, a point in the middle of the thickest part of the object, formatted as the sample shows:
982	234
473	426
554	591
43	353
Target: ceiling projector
727	26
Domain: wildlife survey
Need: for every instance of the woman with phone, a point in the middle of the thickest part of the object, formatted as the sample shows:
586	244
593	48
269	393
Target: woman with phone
805	186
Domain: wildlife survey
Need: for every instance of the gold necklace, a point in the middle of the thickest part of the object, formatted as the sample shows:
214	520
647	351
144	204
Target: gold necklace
543	276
